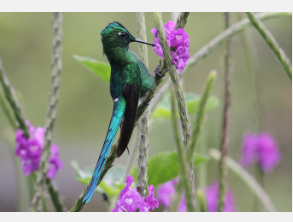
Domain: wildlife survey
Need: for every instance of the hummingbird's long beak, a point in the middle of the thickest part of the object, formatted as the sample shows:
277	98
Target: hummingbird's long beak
140	41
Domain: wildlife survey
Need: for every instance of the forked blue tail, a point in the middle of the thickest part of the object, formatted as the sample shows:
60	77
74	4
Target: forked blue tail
118	111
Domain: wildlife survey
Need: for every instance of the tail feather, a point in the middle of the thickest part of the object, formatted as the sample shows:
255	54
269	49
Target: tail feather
118	111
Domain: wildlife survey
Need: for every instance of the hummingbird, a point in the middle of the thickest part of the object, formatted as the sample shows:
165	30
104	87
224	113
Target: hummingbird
130	81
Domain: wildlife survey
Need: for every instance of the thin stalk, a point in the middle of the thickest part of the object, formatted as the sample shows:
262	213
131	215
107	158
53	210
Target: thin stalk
132	155
182	159
217	42
248	179
202	168
12	100
7	112
225	121
197	128
184	116
56	65
143	126
201	201
200	114
272	43
53	191
252	78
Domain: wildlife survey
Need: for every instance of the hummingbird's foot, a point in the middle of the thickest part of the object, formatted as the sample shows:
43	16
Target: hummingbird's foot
157	71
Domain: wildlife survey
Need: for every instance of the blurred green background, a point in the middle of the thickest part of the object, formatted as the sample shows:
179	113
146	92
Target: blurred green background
85	105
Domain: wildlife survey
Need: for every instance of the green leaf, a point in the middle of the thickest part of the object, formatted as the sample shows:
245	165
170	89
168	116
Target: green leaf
102	69
163	109
165	167
111	184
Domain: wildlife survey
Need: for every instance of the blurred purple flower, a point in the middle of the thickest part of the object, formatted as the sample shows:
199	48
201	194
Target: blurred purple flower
30	150
212	199
178	39
165	193
182	205
130	199
261	147
248	149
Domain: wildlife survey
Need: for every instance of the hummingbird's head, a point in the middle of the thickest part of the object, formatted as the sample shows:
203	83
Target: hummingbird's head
116	35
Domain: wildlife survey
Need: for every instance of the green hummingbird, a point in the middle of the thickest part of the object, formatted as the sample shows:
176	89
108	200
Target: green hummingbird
130	80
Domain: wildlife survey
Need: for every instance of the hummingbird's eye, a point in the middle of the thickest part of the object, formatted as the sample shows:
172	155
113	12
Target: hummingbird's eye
122	34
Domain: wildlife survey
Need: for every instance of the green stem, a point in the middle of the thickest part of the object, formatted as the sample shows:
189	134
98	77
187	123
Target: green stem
272	43
56	65
184	116
7	112
12	100
182	158
201	201
200	114
53	191
247	179
132	155
225	120
202	168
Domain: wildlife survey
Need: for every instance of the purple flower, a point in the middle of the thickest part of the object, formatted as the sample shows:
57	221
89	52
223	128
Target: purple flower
150	200
248	149
30	150
178	39
130	199
165	193
261	147
212	199
169	27
182	206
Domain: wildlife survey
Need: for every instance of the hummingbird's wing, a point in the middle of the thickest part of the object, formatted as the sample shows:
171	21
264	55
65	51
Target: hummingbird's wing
131	97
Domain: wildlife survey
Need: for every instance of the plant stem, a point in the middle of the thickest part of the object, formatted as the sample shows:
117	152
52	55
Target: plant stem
12	100
7	112
184	116
53	191
56	65
202	168
247	179
225	121
143	126
182	158
132	155
272	43
200	114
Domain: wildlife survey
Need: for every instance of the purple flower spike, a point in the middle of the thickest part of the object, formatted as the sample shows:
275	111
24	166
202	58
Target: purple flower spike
248	149
130	199
30	150
212	199
178	37
261	147
169	27
150	200
165	193
267	152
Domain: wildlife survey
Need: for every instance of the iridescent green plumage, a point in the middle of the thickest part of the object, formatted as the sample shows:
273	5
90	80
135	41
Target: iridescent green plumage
130	80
